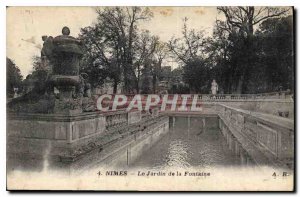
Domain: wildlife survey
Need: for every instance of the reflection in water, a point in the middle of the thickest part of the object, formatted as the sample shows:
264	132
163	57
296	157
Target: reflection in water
177	154
184	148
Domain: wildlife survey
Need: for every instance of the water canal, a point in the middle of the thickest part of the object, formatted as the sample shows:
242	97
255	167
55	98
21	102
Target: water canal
188	144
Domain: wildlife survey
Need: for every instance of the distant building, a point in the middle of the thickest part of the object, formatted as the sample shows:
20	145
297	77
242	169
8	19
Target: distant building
108	88
163	87
166	73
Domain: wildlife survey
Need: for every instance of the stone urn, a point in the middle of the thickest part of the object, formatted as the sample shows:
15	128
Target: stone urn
66	55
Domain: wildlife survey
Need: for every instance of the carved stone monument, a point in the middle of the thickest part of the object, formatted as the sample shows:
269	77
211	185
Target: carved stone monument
214	87
65	91
65	57
16	92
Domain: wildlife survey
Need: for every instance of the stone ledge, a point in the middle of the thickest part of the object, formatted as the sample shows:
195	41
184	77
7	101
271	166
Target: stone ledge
61	117
280	122
254	149
112	136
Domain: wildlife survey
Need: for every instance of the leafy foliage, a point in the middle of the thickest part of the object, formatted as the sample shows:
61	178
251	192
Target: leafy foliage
250	52
13	77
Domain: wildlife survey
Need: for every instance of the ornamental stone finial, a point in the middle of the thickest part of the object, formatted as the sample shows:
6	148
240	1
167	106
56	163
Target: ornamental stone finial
65	31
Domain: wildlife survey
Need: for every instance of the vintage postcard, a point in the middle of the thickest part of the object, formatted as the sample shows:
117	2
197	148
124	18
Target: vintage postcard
150	98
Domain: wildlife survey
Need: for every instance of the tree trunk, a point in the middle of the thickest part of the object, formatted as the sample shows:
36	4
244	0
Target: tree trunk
115	86
154	83
138	85
250	22
239	89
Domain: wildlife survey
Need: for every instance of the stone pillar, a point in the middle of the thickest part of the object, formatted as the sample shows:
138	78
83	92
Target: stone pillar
222	130
243	157
227	137
230	142
237	148
173	121
203	125
248	161
233	141
128	154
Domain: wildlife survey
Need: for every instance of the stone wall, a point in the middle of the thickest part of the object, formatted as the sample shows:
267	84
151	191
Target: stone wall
134	116
125	155
59	130
273	107
62	141
264	140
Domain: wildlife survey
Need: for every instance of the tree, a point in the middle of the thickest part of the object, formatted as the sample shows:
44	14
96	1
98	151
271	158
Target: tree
245	18
40	73
189	46
276	54
242	49
198	74
146	78
110	45
13	77
177	83
120	25
189	51
101	58
145	47
219	58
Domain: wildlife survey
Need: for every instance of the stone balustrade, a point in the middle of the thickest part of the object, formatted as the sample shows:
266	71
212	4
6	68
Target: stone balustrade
263	138
258	138
228	97
134	117
117	118
68	138
246	97
67	128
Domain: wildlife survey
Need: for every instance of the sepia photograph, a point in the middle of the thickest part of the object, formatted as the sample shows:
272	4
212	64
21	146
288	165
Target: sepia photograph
150	98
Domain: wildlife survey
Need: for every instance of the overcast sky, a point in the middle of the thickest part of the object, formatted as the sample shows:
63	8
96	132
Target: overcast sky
26	25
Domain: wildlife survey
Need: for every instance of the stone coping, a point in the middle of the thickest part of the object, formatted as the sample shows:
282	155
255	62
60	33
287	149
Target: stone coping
61	117
281	122
268	119
248	100
191	114
277	121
